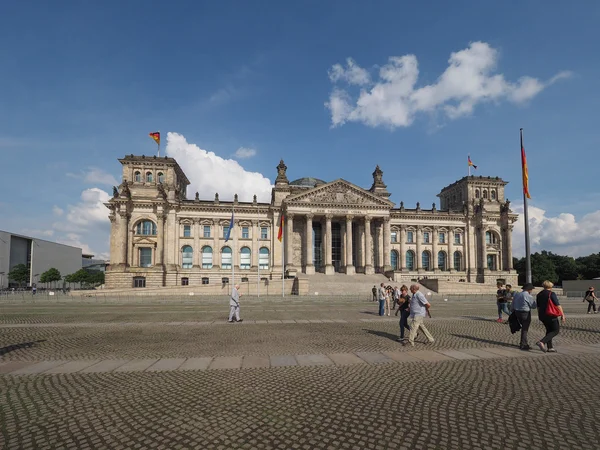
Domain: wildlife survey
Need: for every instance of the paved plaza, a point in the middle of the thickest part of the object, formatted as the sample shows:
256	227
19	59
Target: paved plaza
296	374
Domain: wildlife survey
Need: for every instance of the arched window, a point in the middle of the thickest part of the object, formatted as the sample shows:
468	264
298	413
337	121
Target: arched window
187	257
394	259
457	261
146	228
245	258
226	258
442	260
145	257
161	177
263	258
485	194
426	260
149	177
476	193
207	260
410	260
491	237
493	195
137	176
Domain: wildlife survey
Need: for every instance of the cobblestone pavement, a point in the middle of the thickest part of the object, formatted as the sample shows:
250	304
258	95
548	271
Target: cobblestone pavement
292	375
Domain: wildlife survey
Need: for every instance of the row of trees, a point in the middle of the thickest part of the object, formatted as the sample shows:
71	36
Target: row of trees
556	268
20	274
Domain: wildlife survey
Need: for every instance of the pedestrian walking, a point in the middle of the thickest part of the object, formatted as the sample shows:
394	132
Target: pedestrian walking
234	304
501	302
591	298
522	304
549	310
374	290
508	295
388	299
419	307
382	294
403	309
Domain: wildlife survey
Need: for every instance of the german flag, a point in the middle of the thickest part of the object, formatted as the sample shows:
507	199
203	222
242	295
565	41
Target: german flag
280	232
470	163
525	172
155	136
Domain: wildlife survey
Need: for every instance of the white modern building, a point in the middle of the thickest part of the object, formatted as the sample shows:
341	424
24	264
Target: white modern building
38	255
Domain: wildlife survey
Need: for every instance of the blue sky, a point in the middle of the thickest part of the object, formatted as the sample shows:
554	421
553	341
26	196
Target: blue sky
83	83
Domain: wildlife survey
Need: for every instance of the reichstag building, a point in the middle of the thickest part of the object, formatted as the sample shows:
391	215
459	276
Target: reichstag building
159	237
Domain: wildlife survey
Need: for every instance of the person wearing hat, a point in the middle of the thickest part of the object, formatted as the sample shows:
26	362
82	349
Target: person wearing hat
522	304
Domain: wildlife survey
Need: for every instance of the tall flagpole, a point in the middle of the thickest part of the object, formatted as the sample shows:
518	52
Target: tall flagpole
234	250
158	145
526	214
469	165
281	224
258	252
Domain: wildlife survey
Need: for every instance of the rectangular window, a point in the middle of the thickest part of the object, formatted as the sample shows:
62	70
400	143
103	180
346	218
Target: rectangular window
225	280
225	231
409	237
457	238
245	233
185	281
187	231
442	238
145	257
206	231
394	236
263	233
204	280
139	282
426	237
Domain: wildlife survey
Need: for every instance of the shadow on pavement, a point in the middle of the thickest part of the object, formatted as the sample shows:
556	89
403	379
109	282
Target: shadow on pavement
486	341
383	334
483	319
14	347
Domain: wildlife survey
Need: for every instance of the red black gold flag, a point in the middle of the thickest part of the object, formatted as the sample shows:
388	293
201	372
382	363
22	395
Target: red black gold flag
280	232
155	136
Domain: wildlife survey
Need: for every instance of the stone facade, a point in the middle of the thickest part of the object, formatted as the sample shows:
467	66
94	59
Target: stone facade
161	238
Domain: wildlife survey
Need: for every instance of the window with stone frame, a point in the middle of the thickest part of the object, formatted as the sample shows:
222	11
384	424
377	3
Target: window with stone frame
207	257
206	231
457	238
185	281
205	280
457	260
137	177
226	258
410	260
145	257
187	231
394	236
161	177
263	258
245	233
149	177
442	237
426	237
139	282
225	231
410	237
146	228
264	233
245	258
187	257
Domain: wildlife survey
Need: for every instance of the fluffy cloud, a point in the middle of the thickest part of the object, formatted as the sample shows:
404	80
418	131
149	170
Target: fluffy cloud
209	173
394	100
93	175
561	234
244	152
57	211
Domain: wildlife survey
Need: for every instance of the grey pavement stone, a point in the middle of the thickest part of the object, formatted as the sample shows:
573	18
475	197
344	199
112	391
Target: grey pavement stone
136	365
374	357
196	364
40	367
456	354
314	360
342	359
430	355
72	366
274	321
226	362
481	353
283	360
11	366
288	321
107	365
255	362
166	364
512	352
401	356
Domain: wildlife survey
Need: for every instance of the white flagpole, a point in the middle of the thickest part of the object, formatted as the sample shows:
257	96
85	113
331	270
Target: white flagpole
232	253
159	144
258	252
282	259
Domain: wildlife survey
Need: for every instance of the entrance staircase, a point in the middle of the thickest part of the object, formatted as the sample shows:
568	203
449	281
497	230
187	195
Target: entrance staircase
342	284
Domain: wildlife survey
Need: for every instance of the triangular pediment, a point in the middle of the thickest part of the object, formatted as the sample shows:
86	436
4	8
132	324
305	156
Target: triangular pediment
338	193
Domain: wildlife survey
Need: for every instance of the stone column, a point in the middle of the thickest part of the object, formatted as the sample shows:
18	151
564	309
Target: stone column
360	250
160	239
178	255
451	250
418	255
289	248
350	270
387	236
130	248
328	244
402	257
123	233
508	247
308	246
482	252
235	250
216	247
197	250
368	248
435	249
255	242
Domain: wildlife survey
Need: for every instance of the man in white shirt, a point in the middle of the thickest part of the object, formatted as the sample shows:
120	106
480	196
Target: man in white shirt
419	306
234	304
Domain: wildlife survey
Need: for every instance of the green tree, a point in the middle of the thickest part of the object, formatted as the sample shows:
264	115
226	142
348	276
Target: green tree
589	266
542	268
51	275
19	274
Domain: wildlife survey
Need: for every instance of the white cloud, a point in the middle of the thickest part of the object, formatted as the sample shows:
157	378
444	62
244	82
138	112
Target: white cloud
94	175
57	211
244	152
210	173
561	234
394	100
